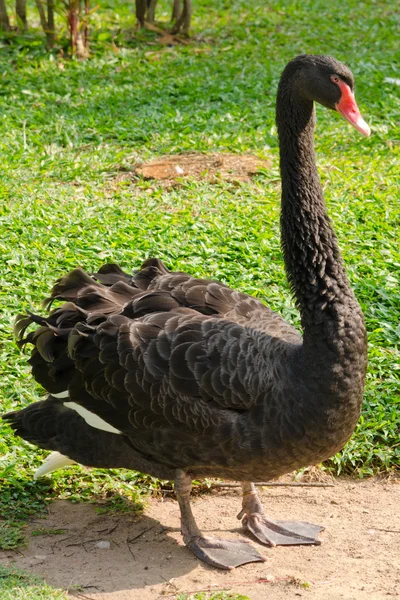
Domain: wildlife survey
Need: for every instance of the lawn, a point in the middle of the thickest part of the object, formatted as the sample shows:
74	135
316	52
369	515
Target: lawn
70	131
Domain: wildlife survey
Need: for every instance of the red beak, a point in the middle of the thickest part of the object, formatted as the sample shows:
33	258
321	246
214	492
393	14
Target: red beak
347	107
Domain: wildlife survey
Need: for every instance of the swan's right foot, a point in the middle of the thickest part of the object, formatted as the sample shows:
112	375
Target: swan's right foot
223	554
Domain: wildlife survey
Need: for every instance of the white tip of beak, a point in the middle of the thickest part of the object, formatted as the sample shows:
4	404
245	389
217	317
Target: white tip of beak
362	126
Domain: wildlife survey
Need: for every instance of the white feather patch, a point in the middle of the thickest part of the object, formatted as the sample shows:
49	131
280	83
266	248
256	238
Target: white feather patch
91	419
54	461
61	394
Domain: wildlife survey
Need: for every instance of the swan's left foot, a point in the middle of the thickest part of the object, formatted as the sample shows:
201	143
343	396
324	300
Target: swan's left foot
274	533
281	533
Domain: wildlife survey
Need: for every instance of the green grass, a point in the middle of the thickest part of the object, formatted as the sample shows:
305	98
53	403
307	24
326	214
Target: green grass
11	535
47	531
18	585
217	596
69	129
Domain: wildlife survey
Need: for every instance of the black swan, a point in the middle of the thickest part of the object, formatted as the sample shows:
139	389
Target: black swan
181	377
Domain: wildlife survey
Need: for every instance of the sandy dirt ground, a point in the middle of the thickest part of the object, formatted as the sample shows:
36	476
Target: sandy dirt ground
145	558
212	167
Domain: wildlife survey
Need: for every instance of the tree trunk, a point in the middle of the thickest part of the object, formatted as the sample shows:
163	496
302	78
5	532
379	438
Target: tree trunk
182	25
86	28
79	27
141	6
81	34
176	10
151	10
73	22
20	9
81	50
4	20
42	15
47	23
51	32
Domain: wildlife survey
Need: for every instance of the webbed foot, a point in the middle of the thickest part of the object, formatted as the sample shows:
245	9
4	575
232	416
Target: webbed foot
223	554
274	533
281	533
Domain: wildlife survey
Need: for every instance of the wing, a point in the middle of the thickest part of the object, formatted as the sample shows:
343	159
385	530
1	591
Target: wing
203	295
163	358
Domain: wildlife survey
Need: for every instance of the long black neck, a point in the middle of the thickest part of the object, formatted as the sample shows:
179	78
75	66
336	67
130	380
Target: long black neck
331	317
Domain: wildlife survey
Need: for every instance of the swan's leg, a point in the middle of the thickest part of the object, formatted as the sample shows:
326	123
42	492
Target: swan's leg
273	533
225	554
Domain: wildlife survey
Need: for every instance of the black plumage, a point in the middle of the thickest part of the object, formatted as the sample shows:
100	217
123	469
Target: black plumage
196	379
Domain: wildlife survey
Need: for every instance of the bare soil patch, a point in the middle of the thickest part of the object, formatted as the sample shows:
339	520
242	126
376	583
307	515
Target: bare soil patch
209	167
146	558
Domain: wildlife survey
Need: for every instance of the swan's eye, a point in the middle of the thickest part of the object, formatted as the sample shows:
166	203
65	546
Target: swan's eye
335	78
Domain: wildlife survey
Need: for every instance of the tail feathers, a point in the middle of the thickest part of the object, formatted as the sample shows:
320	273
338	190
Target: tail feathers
51	425
56	425
36	423
52	463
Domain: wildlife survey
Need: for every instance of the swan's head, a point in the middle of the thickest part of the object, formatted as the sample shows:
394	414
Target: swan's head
325	80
